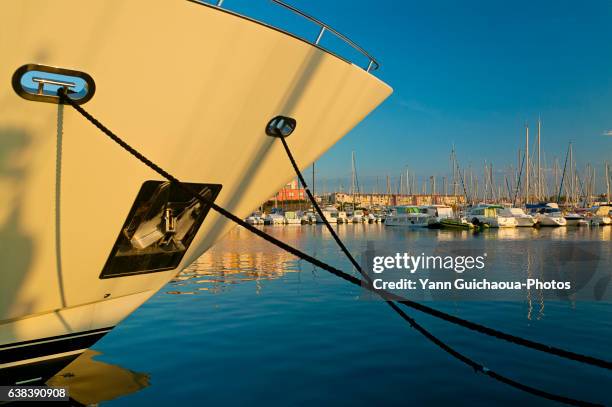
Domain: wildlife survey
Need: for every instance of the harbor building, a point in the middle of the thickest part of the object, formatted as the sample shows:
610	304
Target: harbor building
367	200
290	192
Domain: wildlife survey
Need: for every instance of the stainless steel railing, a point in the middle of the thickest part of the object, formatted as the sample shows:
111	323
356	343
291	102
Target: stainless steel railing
372	62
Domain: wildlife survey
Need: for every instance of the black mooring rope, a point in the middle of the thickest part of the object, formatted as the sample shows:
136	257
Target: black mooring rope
476	366
443	315
419	328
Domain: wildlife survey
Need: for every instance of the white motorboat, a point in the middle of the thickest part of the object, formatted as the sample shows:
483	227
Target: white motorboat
342	218
522	219
330	213
358	216
255	219
437	213
371	218
408	216
491	215
292	218
87	232
548	214
309	218
575	219
275	217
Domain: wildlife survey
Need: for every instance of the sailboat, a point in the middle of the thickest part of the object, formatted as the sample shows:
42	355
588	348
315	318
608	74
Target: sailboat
87	232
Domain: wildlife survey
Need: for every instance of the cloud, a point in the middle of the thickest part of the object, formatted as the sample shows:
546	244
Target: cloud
417	106
607	133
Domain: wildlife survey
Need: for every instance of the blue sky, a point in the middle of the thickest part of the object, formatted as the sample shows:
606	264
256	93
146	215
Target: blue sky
469	73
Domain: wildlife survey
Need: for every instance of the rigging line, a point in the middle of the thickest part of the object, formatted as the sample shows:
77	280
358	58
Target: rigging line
563	175
462	180
314	261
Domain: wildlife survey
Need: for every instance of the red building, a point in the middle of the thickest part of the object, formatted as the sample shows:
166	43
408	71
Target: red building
290	192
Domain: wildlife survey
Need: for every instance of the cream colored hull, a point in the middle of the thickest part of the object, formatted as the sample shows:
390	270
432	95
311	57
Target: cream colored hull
496	222
189	85
601	221
554	221
525	221
410	221
97	316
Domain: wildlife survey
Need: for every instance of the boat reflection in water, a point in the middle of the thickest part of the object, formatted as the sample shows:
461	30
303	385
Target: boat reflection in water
91	381
513	253
239	257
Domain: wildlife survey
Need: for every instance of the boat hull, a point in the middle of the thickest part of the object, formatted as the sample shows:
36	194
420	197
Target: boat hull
66	191
60	336
551	221
576	222
450	223
601	221
525	222
495	222
415	222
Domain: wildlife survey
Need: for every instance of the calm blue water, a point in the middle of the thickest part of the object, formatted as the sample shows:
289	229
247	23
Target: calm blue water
249	324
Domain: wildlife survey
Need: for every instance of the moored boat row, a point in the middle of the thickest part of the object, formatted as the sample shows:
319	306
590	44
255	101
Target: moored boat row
443	216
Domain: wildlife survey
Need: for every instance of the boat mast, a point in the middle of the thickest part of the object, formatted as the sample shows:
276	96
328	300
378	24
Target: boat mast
472	186
526	164
608	181
592	187
353	177
563	175
444	187
545	195
572	184
486	182
313	179
494	195
433	189
588	177
455	175
388	185
556	173
519	167
539	165
508	193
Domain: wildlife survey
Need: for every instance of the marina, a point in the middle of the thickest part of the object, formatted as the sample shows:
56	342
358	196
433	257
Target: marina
546	201
443	216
